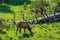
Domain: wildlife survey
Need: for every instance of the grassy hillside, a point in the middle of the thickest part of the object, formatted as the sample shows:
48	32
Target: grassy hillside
45	31
40	32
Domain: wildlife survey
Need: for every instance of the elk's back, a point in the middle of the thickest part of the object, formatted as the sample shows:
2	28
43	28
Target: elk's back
22	24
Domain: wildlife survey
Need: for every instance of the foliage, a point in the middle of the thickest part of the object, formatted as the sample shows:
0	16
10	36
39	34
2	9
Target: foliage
45	31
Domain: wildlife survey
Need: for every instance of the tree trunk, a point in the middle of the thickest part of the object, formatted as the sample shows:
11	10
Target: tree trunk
57	15
14	18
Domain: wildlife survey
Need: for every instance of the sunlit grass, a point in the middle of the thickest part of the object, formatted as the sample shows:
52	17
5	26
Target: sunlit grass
46	31
41	32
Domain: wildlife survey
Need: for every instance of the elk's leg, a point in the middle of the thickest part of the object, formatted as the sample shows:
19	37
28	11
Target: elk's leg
36	17
24	30
20	30
17	31
47	16
43	15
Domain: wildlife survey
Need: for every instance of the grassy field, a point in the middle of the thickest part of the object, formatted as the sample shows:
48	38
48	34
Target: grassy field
45	31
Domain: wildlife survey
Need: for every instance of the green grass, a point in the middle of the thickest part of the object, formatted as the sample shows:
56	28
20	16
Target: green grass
40	32
46	31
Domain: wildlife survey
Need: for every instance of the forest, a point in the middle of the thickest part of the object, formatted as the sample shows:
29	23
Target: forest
29	19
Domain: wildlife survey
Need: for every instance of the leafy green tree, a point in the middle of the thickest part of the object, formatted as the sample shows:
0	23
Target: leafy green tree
25	6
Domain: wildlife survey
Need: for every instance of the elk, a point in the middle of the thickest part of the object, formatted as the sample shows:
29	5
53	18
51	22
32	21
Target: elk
39	10
23	24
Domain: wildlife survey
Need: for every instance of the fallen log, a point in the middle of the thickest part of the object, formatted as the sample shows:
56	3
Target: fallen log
46	18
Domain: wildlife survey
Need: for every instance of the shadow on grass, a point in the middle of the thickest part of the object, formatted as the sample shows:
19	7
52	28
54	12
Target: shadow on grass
0	38
17	2
58	20
25	35
5	8
3	32
10	38
31	33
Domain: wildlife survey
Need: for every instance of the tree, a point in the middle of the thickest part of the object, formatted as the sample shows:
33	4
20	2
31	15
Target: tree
14	18
25	6
39	8
22	13
56	9
3	1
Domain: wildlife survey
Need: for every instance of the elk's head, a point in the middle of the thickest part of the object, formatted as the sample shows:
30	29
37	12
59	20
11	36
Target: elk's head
29	29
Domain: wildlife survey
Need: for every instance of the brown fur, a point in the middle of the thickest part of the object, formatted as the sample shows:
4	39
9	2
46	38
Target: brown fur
23	24
39	10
